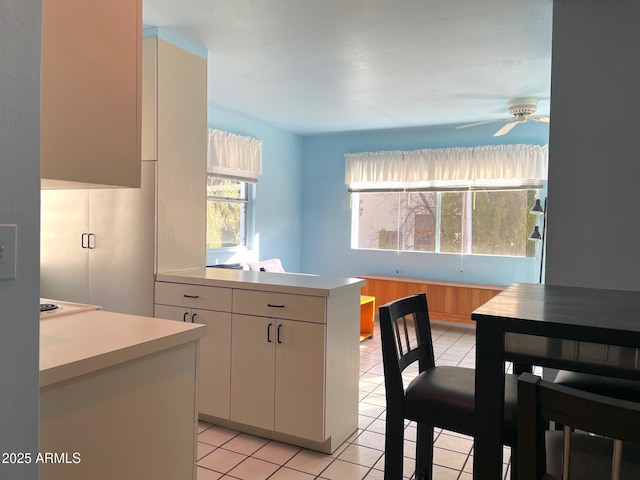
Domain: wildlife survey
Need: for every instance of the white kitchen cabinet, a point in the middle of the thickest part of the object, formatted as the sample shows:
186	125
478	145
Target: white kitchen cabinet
277	377
97	246
91	93
294	351
174	132
215	348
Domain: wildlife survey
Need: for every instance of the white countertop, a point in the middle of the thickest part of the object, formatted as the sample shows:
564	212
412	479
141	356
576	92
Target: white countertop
297	283
81	343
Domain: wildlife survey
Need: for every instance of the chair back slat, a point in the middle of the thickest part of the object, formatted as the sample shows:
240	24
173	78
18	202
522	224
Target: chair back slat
406	320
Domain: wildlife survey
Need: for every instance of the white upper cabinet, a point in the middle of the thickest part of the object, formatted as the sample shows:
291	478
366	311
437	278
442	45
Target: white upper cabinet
91	93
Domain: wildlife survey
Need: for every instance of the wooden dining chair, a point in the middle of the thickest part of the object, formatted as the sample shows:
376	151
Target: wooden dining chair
624	389
575	452
439	396
609	386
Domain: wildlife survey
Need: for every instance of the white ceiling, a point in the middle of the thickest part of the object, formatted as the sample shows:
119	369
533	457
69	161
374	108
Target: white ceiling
317	66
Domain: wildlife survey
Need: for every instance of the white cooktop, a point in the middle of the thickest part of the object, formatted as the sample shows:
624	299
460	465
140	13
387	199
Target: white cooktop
65	308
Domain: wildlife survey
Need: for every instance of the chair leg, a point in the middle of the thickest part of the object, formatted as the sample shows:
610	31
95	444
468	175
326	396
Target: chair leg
424	452
514	463
393	446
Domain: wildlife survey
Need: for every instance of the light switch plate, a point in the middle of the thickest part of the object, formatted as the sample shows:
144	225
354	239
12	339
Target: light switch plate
8	254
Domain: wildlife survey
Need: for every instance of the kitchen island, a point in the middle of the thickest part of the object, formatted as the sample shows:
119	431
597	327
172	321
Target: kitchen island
117	397
281	355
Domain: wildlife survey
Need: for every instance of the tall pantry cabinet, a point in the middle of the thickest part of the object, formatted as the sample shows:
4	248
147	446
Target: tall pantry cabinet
103	246
174	132
96	246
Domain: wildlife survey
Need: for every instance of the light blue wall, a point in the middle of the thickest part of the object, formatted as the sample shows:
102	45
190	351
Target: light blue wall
326	219
303	211
278	212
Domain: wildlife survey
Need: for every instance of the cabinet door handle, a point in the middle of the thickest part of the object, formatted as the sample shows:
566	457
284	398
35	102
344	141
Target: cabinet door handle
91	241
269	332
278	334
190	296
84	240
274	306
184	316
193	318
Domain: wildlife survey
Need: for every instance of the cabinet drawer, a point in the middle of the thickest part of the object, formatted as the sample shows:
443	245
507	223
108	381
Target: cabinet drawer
193	296
280	305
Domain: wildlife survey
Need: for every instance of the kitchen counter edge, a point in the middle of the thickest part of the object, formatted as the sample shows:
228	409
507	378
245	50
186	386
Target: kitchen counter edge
295	283
84	342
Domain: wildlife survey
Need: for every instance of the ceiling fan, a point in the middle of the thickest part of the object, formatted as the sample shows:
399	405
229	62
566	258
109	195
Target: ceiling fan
522	110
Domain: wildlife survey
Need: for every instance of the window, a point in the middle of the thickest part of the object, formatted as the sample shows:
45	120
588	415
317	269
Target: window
234	163
469	222
227	207
455	200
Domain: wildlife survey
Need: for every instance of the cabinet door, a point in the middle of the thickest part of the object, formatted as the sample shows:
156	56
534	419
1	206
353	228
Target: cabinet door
64	264
300	379
215	356
252	370
90	125
169	312
215	363
122	221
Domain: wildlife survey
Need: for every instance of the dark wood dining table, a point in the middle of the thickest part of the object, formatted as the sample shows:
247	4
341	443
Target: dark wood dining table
571	328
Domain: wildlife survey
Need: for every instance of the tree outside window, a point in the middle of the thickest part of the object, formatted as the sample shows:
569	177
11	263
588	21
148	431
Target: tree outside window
471	222
227	202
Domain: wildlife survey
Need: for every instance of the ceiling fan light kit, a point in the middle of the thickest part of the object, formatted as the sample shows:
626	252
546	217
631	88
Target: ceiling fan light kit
523	106
522	110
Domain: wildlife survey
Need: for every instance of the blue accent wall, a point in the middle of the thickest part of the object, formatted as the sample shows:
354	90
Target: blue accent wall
278	194
326	212
303	212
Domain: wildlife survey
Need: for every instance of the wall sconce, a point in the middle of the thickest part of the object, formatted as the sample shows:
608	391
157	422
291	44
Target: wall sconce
535	235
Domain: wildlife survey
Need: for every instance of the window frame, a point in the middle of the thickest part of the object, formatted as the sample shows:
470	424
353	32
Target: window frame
249	217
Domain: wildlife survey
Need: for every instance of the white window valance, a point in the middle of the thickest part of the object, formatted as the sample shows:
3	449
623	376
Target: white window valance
483	167
234	156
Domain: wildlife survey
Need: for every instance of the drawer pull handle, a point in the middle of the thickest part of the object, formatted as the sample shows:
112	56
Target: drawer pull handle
269	332
274	306
278	334
193	318
191	296
184	316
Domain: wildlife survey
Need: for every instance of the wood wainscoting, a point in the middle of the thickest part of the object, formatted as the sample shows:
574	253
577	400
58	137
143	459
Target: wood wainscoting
450	301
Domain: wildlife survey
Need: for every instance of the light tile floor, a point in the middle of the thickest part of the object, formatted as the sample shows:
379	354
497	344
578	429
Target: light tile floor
228	454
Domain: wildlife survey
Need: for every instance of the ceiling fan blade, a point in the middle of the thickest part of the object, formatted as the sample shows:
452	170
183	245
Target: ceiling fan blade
539	118
506	129
484	123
